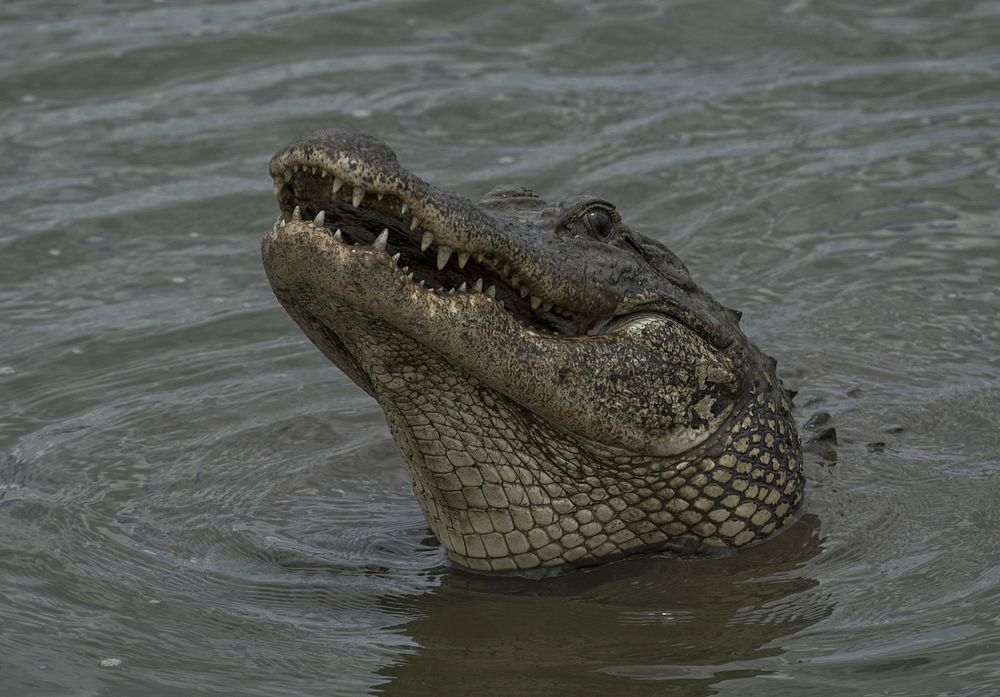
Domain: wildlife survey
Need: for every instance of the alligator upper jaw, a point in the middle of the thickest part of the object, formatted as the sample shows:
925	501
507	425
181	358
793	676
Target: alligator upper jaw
363	204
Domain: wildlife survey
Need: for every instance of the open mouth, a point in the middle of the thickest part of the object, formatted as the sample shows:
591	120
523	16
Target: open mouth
385	221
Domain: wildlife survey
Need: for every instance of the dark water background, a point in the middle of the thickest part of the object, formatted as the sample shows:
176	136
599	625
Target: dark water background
193	502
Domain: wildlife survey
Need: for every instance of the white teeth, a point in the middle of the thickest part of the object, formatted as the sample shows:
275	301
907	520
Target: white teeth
462	288
277	187
546	307
463	258
320	217
427	241
409	276
479	286
395	258
297	214
479	258
535	302
403	208
524	291
381	239
422	284
492	291
415	223
283	222
337	183
338	237
379	195
451	292
323	174
288	175
359	194
444	253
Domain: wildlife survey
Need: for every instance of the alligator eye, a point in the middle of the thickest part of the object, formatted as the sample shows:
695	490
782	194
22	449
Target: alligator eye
599	222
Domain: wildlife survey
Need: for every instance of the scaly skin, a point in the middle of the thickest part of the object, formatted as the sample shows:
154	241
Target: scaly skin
561	390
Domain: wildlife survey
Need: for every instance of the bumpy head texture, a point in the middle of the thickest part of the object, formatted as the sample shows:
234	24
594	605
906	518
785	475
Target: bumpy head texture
561	390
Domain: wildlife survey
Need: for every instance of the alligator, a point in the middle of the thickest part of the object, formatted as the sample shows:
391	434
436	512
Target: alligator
561	390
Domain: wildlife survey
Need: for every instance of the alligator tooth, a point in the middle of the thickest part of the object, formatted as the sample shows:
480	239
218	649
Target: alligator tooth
515	280
409	276
403	208
337	236
379	195
444	253
451	292
492	291
320	217
427	241
546	307
479	258
283	222
479	286
415	223
524	291
297	214
323	174
406	268
535	302
463	259
382	238
277	188
421	284
337	183
288	175
359	194
462	288
395	258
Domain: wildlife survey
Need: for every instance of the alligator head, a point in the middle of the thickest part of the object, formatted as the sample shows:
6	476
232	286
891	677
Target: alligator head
561	390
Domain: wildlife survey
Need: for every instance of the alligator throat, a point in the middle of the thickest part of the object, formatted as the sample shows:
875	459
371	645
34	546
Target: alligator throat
560	389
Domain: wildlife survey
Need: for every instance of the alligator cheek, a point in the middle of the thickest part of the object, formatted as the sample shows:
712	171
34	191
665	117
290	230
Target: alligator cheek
658	391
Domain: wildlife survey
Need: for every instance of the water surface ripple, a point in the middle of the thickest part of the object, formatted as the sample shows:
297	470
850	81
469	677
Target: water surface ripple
193	502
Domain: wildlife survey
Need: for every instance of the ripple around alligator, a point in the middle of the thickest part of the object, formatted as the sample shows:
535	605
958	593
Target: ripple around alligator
193	502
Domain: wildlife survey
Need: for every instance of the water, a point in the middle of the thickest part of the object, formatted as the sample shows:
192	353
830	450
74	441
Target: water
193	502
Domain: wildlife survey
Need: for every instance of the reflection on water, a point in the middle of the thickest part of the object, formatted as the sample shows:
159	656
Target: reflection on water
194	502
647	626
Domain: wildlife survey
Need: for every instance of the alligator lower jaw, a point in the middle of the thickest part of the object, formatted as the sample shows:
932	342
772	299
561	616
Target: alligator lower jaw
388	222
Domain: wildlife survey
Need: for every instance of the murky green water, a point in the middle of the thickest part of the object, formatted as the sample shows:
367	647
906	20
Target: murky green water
193	502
